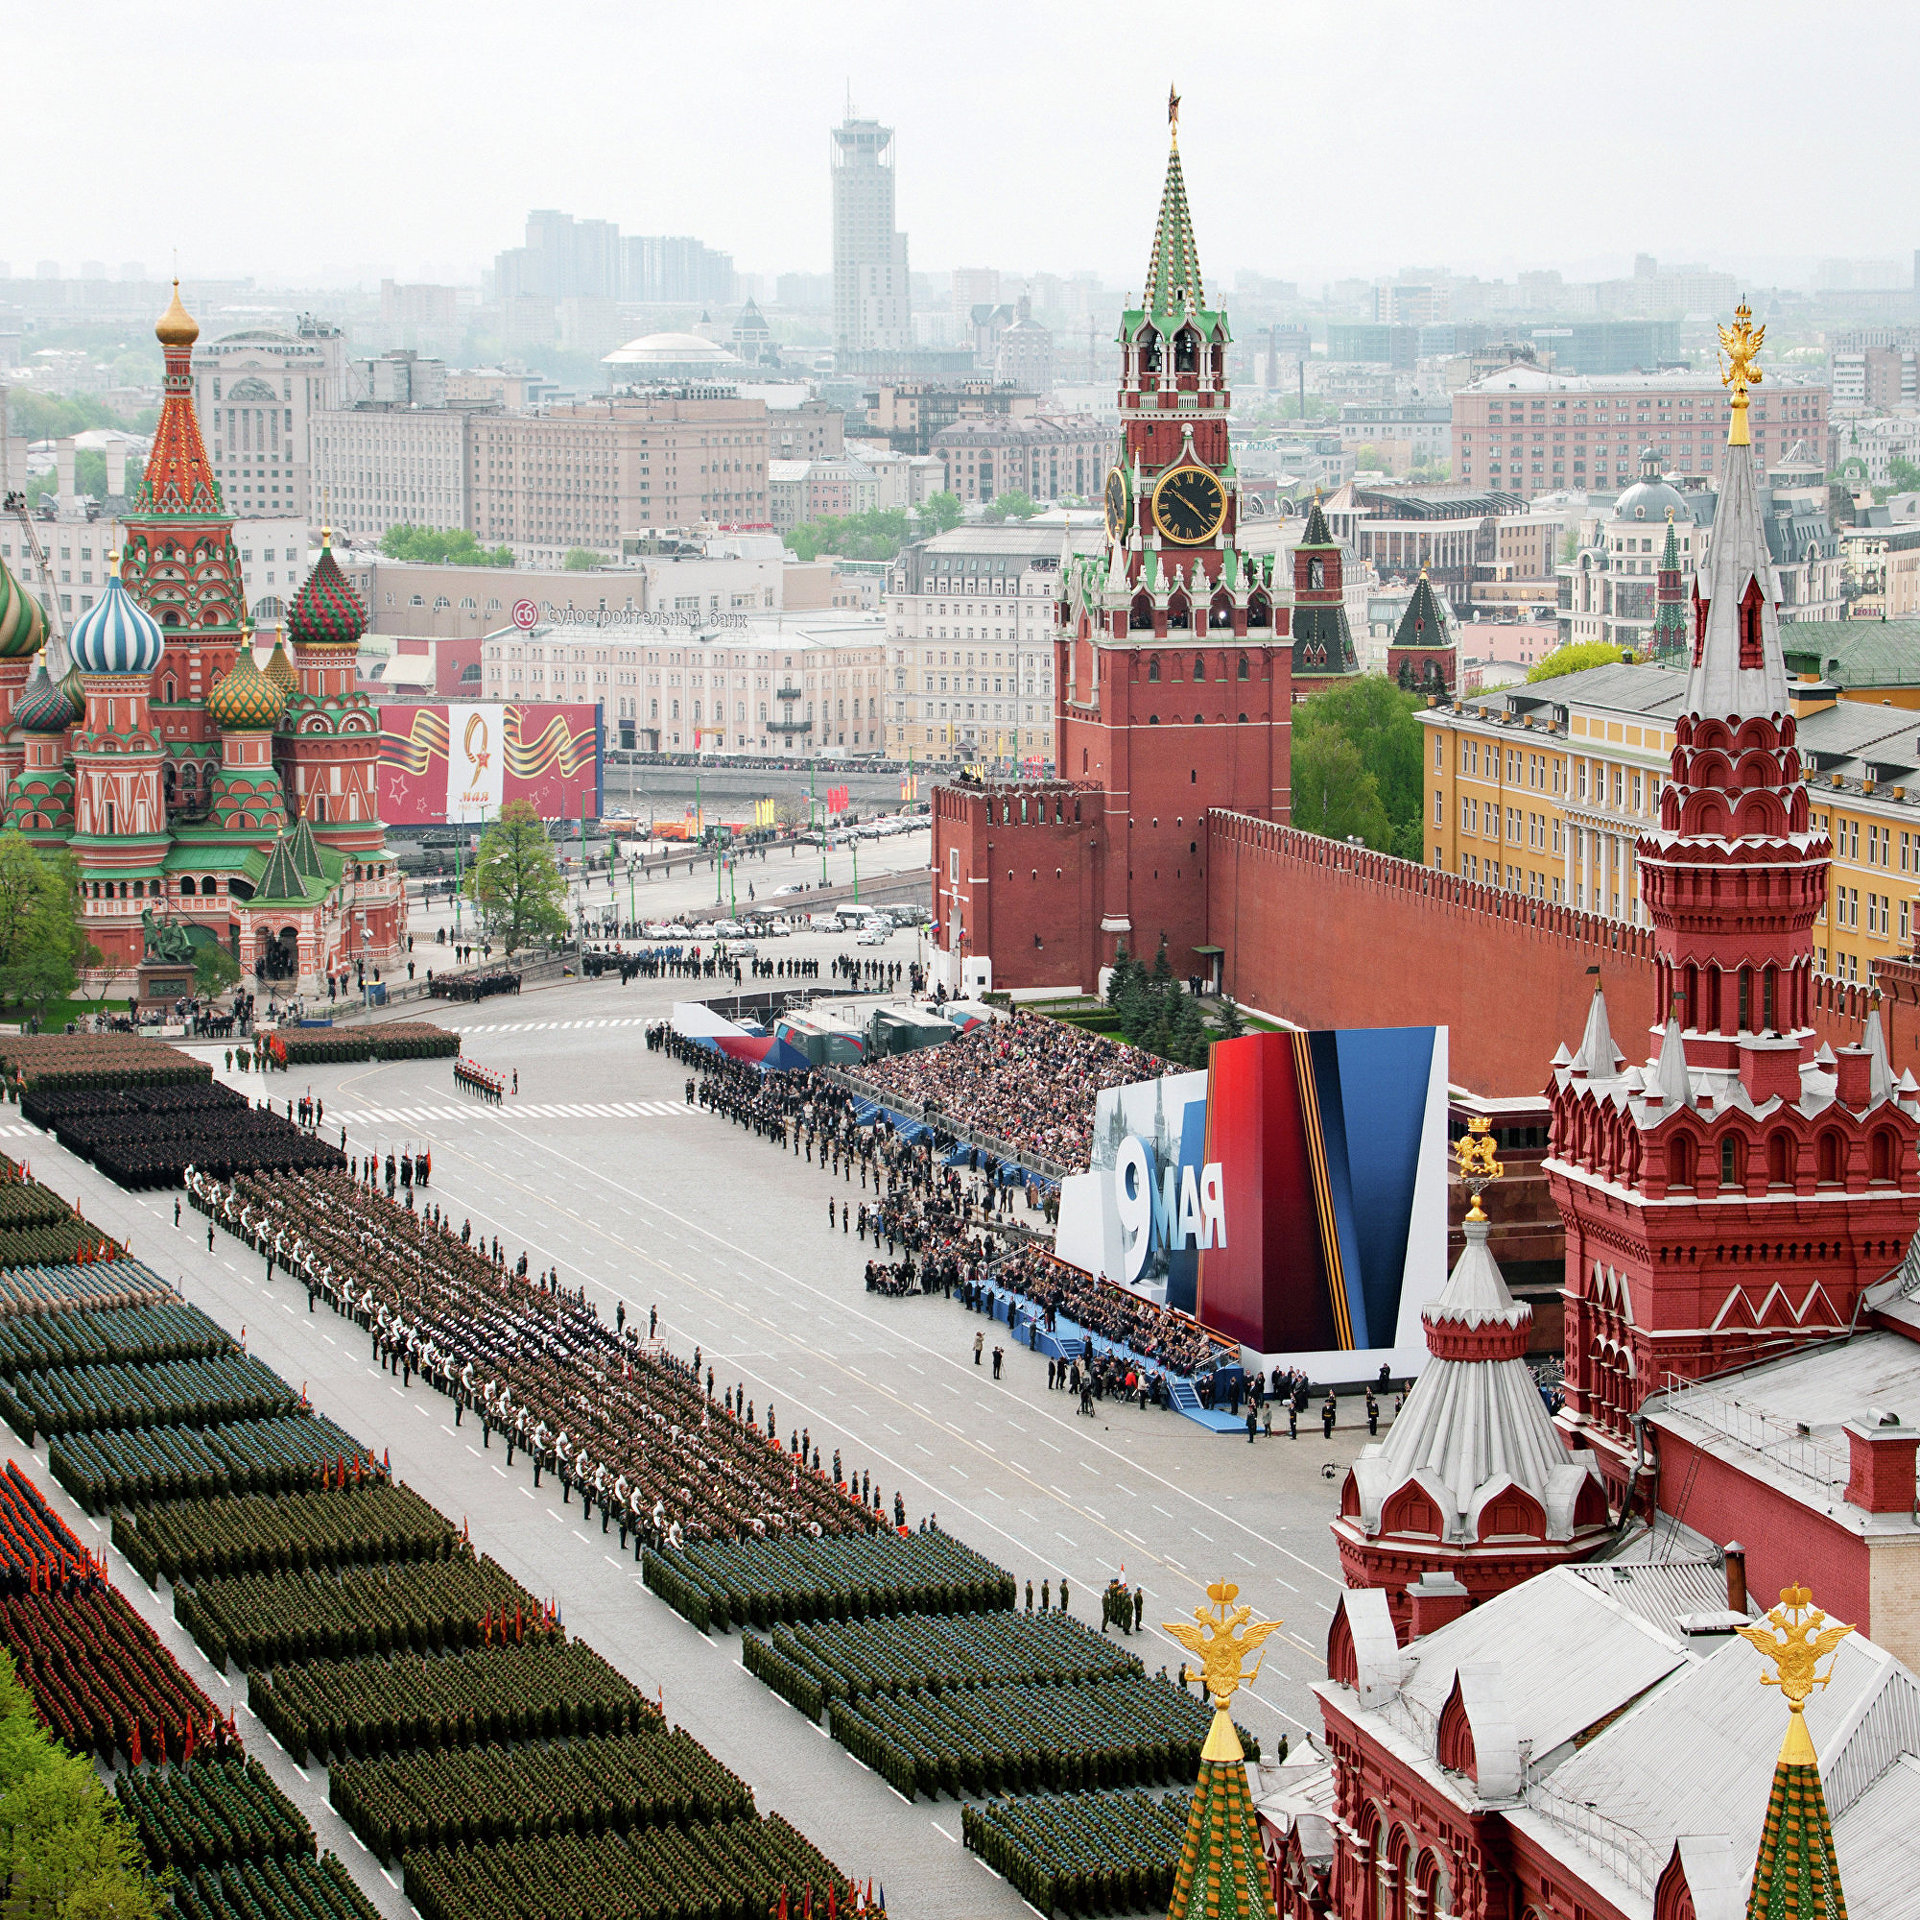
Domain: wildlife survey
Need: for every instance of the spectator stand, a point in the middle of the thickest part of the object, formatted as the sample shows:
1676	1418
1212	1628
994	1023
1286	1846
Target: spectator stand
912	1120
1069	1340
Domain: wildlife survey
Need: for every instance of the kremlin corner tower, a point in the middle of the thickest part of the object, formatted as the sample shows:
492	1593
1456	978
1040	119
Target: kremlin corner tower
190	784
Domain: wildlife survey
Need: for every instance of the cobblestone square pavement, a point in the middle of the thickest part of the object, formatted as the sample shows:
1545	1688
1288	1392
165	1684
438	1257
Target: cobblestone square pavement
598	1167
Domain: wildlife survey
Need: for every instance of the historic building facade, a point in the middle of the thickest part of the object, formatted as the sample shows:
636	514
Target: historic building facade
1734	1196
190	784
1172	683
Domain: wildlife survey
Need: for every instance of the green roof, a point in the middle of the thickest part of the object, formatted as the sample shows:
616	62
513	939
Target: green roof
1422	624
1854	653
1173	268
306	850
278	875
1796	1875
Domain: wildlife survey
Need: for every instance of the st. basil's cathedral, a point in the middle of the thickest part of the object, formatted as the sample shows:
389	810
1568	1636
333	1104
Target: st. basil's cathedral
191	785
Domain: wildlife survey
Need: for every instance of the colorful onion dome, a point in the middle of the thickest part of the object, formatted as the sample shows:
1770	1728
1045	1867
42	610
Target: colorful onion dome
23	621
46	707
176	327
326	612
116	634
247	700
279	669
75	688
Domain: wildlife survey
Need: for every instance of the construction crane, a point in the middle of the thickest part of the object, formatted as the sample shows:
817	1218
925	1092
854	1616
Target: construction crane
16	504
14	501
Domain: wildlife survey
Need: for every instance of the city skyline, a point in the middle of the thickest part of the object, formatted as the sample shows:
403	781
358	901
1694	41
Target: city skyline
339	194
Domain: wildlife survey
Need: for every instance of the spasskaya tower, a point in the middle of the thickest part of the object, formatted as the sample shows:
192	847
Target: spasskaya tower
1172	677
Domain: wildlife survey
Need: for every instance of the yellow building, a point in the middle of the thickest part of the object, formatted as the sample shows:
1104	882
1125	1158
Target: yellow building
1543	790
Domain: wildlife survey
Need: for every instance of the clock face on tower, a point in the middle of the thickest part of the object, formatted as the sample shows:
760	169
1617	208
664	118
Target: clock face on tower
1119	504
1189	505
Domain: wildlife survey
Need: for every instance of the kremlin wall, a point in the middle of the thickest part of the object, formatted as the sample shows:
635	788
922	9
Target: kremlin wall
1322	934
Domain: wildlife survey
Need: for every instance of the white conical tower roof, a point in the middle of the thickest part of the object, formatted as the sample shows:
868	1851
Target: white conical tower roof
1739	671
1598	1056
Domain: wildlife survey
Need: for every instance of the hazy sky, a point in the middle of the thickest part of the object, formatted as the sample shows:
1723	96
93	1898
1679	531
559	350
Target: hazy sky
343	141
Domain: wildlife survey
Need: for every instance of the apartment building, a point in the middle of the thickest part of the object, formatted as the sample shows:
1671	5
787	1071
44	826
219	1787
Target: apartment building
581	476
803	490
970	624
1047	455
1519	430
739	684
543	483
1543	790
380	465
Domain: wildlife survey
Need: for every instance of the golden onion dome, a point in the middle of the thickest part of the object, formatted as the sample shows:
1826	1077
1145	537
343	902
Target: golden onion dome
279	669
176	327
246	701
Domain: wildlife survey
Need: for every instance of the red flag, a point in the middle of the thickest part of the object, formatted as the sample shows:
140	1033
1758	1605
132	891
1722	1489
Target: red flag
133	1749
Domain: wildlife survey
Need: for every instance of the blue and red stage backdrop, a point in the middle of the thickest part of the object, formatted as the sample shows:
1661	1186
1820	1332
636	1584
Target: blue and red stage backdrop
1292	1197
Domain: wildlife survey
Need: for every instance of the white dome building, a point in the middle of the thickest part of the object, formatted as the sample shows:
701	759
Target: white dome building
673	356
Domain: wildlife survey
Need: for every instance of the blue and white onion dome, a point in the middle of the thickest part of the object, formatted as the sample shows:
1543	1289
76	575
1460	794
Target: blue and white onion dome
116	634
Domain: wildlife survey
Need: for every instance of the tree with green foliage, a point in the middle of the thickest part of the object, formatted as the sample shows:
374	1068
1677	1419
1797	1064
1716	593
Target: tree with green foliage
42	947
1016	505
1334	794
436	547
582	560
878	535
1232	1027
941	513
214	970
66	1852
1903	475
515	881
1577	656
1356	766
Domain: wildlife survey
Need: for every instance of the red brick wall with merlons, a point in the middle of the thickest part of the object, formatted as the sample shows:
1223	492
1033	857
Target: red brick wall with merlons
1328	935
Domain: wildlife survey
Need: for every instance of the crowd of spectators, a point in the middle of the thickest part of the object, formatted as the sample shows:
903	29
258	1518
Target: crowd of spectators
1030	1082
1168	1339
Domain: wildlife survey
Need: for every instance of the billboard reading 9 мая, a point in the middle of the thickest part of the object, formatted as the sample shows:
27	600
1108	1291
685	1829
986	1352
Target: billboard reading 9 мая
449	765
1292	1196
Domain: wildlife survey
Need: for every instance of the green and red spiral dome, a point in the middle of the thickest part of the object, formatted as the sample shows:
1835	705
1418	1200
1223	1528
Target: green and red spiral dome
326	612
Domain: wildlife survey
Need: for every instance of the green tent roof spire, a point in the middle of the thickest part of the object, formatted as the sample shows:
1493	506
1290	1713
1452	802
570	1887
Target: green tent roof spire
1173	268
281	878
1222	1873
1796	1875
1670	640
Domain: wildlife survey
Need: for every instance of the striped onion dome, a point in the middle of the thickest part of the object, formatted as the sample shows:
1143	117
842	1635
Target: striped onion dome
326	612
75	688
46	706
23	621
279	669
116	634
247	700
